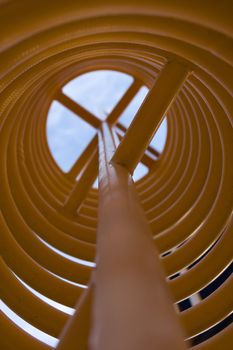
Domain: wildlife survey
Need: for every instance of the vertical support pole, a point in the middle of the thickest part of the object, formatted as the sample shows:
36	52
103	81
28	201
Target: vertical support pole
132	308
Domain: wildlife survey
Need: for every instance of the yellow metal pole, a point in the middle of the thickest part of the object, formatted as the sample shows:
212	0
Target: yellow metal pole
149	148
74	335
82	160
146	160
124	101
150	115
82	186
132	308
79	110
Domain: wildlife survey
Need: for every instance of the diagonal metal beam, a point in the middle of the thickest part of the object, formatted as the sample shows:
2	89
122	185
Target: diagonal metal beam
81	161
124	102
149	148
79	110
76	331
153	151
82	186
146	159
150	115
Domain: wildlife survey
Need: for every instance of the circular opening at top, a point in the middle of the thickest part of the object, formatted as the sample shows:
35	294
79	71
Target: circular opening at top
87	99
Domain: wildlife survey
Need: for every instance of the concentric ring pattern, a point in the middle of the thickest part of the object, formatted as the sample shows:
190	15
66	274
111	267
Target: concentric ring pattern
187	196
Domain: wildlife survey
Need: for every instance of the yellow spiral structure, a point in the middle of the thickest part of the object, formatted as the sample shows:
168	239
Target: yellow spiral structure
179	217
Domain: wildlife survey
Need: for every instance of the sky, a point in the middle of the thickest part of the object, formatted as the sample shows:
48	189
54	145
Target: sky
68	135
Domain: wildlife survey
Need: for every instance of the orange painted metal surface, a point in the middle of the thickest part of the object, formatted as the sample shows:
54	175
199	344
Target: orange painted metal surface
180	210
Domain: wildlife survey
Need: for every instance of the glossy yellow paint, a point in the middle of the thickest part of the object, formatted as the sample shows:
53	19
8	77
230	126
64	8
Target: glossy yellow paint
129	284
186	196
150	115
